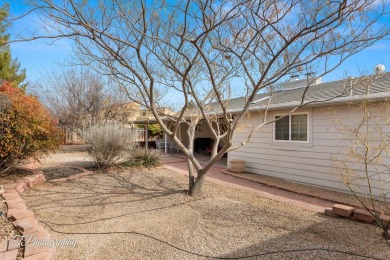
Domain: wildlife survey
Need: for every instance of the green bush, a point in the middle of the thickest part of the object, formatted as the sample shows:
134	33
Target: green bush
144	157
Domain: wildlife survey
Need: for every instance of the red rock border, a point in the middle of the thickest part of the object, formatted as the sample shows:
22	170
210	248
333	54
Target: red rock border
24	220
339	210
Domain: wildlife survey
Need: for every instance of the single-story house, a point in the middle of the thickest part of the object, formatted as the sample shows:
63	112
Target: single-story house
309	145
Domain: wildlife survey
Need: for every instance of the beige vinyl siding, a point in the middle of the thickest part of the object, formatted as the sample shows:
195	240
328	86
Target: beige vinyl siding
314	163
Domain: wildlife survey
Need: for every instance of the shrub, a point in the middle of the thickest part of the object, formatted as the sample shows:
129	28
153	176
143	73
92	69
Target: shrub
145	157
364	164
108	141
27	129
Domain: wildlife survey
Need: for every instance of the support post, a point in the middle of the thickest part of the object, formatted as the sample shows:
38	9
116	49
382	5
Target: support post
165	143
146	137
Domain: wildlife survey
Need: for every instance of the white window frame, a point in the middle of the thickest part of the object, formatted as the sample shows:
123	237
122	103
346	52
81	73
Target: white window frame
308	127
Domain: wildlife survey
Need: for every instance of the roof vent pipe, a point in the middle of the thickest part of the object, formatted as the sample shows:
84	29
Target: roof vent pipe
350	85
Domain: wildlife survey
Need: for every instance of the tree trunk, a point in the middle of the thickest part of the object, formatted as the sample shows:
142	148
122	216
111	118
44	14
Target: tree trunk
196	188
191	177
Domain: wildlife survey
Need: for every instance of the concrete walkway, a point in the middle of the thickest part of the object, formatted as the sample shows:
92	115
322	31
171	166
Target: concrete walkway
215	175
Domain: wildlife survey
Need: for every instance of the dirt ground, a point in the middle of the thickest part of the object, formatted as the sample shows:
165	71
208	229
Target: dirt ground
144	214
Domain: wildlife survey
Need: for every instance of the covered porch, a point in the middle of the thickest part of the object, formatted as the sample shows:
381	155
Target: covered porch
163	143
203	141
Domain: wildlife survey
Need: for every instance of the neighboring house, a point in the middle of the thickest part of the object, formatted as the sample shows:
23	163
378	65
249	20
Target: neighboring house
123	112
147	114
301	147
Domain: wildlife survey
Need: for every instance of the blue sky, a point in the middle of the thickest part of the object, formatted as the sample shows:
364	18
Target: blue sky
39	57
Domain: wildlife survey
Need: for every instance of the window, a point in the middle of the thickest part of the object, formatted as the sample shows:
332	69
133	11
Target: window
292	128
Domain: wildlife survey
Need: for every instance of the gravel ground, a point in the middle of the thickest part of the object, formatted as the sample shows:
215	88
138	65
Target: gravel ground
77	159
75	148
317	192
144	214
54	166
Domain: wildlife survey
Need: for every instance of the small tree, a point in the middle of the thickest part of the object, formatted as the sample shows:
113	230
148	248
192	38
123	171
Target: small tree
154	130
9	68
26	127
81	98
365	165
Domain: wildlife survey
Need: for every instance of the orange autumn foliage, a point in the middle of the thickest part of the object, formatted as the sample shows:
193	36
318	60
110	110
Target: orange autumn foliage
27	129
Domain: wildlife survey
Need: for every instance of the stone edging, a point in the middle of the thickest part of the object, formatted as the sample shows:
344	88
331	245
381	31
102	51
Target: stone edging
24	219
340	210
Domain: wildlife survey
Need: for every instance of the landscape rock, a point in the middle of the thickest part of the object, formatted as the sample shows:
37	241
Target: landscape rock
342	210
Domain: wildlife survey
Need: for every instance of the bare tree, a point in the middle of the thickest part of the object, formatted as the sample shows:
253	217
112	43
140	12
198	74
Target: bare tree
364	165
82	98
208	51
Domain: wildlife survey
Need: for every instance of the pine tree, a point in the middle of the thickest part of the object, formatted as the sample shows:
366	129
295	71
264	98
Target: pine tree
9	68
